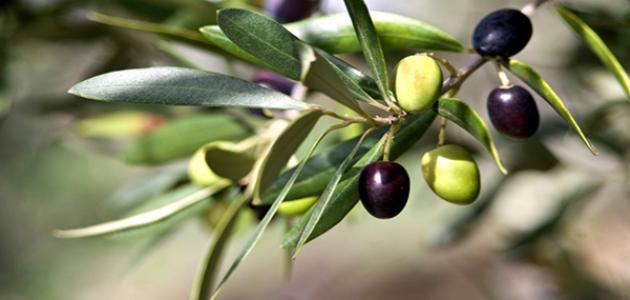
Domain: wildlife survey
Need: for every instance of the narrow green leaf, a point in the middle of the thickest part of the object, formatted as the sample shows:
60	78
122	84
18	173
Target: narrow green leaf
182	137
536	82
204	280
276	159
597	45
217	37
370	44
180	86
265	39
324	200
251	242
143	219
318	170
326	77
463	115
347	195
335	34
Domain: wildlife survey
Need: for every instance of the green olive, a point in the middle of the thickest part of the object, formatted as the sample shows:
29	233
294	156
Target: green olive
296	207
199	171
418	83
452	174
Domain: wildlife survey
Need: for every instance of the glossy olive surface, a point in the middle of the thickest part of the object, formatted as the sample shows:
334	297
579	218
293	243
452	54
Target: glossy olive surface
513	111
502	33
452	173
418	83
285	11
384	189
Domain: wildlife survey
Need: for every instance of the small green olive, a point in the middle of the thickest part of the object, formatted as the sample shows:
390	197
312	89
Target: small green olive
418	83
198	170
296	207
452	174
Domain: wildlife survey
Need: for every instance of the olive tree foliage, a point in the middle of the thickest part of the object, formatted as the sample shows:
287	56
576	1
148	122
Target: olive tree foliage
243	138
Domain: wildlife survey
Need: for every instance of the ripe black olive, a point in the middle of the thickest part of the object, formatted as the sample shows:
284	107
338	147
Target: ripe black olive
274	81
384	189
285	11
502	33
513	111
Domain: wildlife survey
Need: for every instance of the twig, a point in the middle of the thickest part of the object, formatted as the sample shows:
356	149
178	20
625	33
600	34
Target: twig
530	8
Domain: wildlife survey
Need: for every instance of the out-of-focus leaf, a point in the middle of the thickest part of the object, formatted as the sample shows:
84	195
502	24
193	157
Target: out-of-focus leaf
335	34
276	159
467	118
251	242
146	187
324	200
568	201
347	194
182	137
266	40
536	82
121	124
180	86
326	77
597	45
204	280
228	160
370	44
193	196
5	104
168	31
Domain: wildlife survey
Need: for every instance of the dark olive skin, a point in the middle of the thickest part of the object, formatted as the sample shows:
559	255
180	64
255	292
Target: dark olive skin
502	33
384	189
513	111
272	81
285	11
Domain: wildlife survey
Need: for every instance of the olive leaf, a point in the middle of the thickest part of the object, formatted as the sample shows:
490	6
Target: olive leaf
463	115
324	200
318	170
597	45
193	195
346	195
266	40
335	34
180	86
326	77
370	44
182	137
285	145
228	160
253	239
536	82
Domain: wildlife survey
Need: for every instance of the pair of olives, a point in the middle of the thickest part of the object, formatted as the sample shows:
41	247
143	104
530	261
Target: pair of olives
449	170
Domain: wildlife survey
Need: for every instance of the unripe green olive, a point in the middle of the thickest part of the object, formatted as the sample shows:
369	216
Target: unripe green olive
296	207
452	174
417	83
198	170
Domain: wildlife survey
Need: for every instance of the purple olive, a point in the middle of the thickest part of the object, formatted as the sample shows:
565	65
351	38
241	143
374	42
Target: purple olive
274	81
384	189
285	11
502	33
513	111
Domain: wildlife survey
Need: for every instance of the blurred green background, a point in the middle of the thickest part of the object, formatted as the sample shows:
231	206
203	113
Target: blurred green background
558	227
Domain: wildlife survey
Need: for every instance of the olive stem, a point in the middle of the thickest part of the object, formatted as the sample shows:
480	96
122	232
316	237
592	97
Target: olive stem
530	8
449	67
505	81
389	140
442	134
